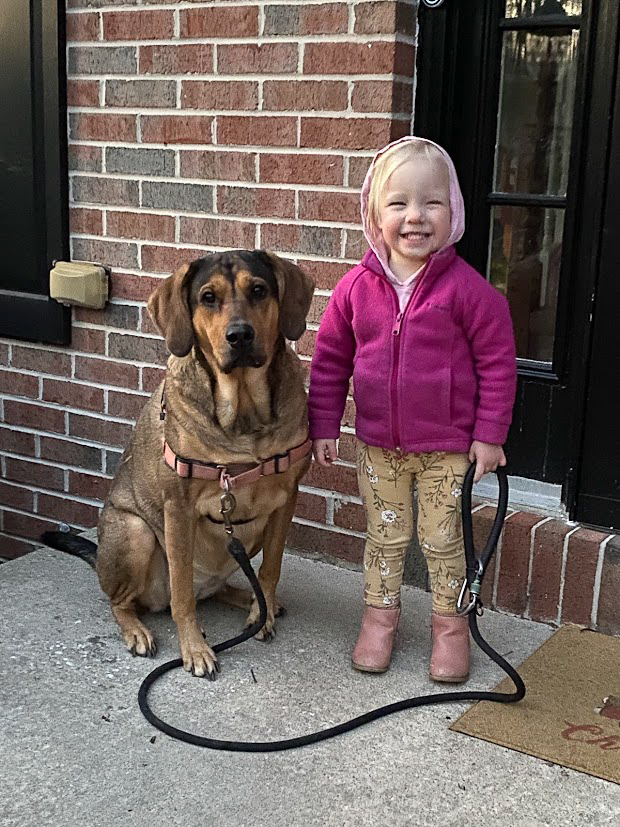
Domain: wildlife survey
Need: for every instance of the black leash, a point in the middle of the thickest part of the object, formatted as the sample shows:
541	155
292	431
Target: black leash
475	572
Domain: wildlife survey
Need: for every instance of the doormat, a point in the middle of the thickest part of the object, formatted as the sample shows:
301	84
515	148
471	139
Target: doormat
571	711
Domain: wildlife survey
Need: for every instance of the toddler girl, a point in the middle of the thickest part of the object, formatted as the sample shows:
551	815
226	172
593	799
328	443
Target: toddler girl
430	346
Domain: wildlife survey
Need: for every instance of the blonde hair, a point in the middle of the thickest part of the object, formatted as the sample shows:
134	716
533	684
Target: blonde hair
388	163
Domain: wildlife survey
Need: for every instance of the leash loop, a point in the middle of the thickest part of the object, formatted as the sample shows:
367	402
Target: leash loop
477	567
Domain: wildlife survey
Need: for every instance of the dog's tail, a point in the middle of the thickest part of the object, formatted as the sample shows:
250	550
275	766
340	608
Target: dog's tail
72	544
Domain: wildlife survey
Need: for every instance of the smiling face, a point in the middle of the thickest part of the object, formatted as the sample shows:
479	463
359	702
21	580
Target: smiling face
414	213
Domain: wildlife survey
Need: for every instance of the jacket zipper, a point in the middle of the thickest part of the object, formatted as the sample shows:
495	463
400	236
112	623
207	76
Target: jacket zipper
396	361
394	382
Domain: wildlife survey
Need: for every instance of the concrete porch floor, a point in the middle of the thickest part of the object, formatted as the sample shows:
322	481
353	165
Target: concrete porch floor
75	749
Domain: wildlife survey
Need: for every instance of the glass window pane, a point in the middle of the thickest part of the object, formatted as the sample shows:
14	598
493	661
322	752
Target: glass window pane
524	263
542	8
537	93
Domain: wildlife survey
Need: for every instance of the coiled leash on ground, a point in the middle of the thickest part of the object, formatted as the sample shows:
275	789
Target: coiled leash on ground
475	571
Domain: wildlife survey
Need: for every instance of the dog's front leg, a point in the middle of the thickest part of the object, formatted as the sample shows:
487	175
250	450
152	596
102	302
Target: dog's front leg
269	572
179	534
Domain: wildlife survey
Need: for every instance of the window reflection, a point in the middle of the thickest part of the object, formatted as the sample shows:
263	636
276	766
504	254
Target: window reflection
542	8
524	263
536	112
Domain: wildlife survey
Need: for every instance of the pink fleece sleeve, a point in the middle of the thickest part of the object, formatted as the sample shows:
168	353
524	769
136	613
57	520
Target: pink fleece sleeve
488	326
332	366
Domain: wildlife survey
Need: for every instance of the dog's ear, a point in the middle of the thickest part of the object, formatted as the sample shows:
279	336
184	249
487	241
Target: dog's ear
169	309
295	290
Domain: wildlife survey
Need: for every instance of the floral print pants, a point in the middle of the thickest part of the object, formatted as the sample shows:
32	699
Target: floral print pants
385	481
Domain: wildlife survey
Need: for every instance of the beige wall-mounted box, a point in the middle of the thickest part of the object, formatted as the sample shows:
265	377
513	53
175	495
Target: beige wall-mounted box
82	283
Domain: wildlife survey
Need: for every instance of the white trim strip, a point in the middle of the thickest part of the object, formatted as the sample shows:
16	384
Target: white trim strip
596	591
563	571
531	562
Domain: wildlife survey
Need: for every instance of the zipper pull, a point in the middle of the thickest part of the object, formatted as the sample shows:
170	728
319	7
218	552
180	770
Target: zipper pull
397	324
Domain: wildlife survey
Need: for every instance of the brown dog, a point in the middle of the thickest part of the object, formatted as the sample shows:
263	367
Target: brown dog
233	404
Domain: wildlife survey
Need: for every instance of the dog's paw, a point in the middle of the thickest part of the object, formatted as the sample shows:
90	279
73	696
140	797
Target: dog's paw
200	660
139	641
267	633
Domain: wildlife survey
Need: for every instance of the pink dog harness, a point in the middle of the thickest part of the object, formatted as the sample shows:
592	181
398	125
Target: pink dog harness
238	474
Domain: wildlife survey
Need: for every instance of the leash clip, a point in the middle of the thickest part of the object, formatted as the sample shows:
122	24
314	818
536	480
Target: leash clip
228	503
474	595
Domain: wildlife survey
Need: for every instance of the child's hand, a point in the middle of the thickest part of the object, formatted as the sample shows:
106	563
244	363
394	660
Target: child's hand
486	456
325	451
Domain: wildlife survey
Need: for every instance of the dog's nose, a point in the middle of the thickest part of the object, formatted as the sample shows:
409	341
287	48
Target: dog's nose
239	335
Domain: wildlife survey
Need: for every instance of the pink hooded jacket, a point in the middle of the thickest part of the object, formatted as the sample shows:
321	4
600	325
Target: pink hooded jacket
433	377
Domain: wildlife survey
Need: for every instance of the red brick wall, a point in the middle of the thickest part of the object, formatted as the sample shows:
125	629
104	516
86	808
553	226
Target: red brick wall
222	124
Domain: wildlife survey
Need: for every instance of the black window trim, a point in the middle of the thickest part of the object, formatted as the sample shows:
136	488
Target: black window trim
34	316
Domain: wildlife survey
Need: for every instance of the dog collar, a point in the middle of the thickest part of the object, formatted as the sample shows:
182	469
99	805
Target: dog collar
237	474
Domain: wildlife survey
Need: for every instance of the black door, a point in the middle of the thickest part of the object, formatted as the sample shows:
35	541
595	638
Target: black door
598	497
33	168
521	93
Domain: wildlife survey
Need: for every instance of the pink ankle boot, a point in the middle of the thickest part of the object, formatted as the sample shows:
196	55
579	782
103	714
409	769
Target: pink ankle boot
373	649
450	657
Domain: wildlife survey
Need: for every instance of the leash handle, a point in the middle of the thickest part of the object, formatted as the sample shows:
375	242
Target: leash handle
475	567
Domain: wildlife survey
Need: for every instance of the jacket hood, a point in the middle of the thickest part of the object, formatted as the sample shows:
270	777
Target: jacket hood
457	206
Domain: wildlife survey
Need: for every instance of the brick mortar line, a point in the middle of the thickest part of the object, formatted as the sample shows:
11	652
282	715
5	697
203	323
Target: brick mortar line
28	540
498	558
43	403
351	18
261	4
91	383
66	437
48	463
530	565
90	354
341	463
121	331
220	148
596	590
326	493
248	219
118	302
215	76
82	383
333	529
61	495
173	245
330	510
249	185
262	19
233	217
309	114
339	38
44	516
565	545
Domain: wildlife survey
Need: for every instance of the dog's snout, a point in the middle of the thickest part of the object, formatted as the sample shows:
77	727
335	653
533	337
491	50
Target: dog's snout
240	335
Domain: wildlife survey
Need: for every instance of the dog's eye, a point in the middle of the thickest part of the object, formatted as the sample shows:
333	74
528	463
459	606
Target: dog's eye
259	291
208	297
